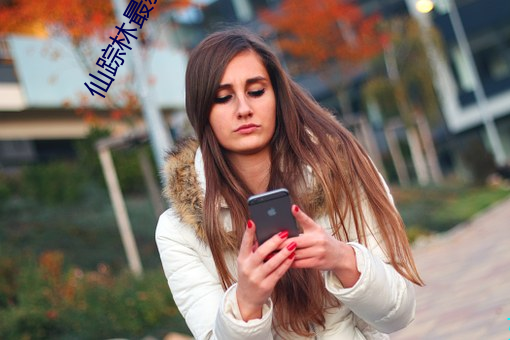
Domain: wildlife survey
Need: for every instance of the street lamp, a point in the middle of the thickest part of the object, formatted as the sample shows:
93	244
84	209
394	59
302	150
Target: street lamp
425	6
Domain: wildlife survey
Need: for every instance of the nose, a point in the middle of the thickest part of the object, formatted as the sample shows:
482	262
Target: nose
243	108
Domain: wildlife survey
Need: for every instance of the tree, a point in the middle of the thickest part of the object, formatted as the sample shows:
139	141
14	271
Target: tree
334	39
406	91
327	35
79	21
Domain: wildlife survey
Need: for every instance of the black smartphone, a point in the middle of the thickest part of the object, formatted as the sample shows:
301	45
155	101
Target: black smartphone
271	213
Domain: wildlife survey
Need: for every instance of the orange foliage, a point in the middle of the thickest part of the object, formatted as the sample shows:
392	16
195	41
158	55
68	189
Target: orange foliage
78	18
319	31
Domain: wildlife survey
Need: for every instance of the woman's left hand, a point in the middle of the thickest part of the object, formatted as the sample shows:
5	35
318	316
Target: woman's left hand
319	250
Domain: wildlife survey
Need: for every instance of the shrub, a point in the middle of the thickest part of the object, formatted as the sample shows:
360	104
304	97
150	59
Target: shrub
53	183
479	161
126	162
52	302
4	190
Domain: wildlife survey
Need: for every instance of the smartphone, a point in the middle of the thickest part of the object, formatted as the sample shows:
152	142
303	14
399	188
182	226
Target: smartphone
271	213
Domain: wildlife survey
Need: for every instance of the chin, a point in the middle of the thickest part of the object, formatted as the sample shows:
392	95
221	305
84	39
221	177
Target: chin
248	149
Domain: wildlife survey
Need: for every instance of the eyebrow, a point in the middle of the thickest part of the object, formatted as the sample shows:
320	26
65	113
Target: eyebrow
249	81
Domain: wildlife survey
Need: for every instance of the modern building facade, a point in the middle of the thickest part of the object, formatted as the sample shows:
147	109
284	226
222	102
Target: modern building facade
482	98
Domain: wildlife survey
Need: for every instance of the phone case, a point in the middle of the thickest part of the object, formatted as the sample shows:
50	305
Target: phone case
271	213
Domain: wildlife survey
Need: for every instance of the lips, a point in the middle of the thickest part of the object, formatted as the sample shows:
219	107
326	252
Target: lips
246	128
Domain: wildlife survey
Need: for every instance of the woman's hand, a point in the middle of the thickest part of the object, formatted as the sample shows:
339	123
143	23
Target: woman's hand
319	250
259	269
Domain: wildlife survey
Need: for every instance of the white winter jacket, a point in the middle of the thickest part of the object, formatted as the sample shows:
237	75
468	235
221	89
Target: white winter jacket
381	302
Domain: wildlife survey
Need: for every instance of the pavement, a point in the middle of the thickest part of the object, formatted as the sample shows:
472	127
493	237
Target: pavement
467	275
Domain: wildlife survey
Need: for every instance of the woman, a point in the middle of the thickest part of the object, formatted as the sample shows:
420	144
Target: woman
348	275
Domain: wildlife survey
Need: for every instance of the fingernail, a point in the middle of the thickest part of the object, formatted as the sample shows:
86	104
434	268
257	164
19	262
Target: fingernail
291	256
292	246
250	224
296	208
269	257
283	234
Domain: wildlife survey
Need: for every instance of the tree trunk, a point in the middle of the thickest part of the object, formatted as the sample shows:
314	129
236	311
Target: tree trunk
370	144
345	102
396	154
420	165
429	147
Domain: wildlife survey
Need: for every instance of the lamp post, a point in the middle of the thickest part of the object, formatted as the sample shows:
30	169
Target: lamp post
425	6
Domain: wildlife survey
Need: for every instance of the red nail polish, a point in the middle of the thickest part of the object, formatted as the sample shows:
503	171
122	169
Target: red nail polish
283	234
296	208
250	224
292	246
291	256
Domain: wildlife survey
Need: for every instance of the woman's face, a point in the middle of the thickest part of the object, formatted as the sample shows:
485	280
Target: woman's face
243	115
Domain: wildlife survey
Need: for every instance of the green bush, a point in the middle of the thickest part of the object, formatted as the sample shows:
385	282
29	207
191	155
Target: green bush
87	156
53	183
53	302
126	162
129	171
479	161
438	209
4	191
62	182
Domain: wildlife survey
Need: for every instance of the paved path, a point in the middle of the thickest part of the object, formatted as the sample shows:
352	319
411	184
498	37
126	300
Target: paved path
467	276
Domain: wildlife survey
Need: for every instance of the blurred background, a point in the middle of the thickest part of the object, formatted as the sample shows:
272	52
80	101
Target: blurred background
424	85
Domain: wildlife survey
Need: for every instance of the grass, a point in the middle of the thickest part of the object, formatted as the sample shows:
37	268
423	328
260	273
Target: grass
438	209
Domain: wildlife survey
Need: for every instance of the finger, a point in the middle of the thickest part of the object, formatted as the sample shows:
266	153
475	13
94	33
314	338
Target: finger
303	241
279	258
304	263
283	265
247	243
271	244
303	219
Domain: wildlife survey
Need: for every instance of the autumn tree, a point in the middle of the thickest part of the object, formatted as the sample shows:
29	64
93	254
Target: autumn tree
334	39
81	23
331	37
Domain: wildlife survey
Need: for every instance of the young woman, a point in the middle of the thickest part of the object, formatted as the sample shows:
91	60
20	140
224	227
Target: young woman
348	275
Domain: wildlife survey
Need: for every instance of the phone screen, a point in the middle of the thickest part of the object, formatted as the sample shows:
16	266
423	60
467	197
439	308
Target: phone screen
271	213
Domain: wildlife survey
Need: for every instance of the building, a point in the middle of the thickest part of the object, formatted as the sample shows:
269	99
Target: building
488	37
42	85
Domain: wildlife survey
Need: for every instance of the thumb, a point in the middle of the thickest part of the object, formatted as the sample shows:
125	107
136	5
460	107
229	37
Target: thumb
303	219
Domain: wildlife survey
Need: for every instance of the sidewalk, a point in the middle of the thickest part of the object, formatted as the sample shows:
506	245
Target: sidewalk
467	276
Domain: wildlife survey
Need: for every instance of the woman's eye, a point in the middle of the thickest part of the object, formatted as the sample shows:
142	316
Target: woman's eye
257	93
224	99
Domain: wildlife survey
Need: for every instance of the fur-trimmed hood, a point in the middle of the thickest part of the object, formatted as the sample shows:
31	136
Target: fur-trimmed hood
183	189
185	186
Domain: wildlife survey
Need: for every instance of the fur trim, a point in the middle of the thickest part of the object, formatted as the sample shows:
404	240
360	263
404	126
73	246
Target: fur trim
182	188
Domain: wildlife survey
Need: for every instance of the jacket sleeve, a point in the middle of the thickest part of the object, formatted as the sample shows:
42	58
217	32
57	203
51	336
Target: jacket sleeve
381	298
210	313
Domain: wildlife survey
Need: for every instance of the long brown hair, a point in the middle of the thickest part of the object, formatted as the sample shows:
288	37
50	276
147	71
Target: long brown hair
306	136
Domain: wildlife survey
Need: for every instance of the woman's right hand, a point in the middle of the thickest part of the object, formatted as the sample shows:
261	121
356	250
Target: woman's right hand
257	277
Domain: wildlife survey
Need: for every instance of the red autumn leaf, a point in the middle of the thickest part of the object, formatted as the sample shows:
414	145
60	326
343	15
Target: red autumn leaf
318	31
